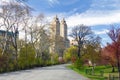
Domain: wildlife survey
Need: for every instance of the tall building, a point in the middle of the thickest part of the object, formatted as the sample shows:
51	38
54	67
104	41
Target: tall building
58	34
63	33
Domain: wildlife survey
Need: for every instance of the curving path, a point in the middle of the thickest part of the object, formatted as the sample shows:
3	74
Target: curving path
58	72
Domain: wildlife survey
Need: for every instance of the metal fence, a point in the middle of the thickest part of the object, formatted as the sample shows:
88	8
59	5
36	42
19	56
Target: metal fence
113	77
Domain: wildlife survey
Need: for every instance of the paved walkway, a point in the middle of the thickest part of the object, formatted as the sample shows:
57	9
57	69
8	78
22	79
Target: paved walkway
58	72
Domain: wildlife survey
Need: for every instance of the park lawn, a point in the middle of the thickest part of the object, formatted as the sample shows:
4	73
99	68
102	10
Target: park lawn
98	69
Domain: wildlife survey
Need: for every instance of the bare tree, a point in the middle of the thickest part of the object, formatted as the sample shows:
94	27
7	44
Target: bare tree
37	31
79	34
11	17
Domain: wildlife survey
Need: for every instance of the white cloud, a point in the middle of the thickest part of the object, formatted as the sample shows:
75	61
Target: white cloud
92	18
5	1
100	31
102	12
52	2
105	4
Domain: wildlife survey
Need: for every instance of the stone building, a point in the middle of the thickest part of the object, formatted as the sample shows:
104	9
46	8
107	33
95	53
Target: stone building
58	35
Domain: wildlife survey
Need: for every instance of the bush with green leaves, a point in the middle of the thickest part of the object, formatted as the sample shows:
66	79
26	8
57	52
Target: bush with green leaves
69	53
54	58
38	62
26	57
78	63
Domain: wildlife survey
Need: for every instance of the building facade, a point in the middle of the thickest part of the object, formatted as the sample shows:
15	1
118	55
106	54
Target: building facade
58	34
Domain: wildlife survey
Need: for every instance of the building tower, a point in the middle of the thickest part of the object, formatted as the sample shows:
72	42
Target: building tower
55	26
63	29
63	32
54	33
59	36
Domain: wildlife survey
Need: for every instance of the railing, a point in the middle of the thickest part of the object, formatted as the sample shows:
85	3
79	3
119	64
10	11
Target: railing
113	77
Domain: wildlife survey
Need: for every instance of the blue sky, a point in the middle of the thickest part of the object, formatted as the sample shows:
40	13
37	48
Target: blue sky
100	15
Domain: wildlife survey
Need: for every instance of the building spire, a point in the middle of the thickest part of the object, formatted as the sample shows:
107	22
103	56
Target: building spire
56	19
56	16
63	21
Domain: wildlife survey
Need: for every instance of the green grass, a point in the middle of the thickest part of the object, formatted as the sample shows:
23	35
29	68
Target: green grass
97	75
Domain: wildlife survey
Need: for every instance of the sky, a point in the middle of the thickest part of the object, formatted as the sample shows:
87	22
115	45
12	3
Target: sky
100	15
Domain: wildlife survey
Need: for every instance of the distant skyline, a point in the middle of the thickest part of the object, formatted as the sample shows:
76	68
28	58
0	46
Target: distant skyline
100	15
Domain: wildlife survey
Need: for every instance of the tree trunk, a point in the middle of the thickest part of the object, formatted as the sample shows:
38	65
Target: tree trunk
118	63
78	51
16	58
93	69
4	47
113	68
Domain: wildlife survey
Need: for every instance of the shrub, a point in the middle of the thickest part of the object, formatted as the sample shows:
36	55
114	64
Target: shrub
73	59
78	63
54	58
69	53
